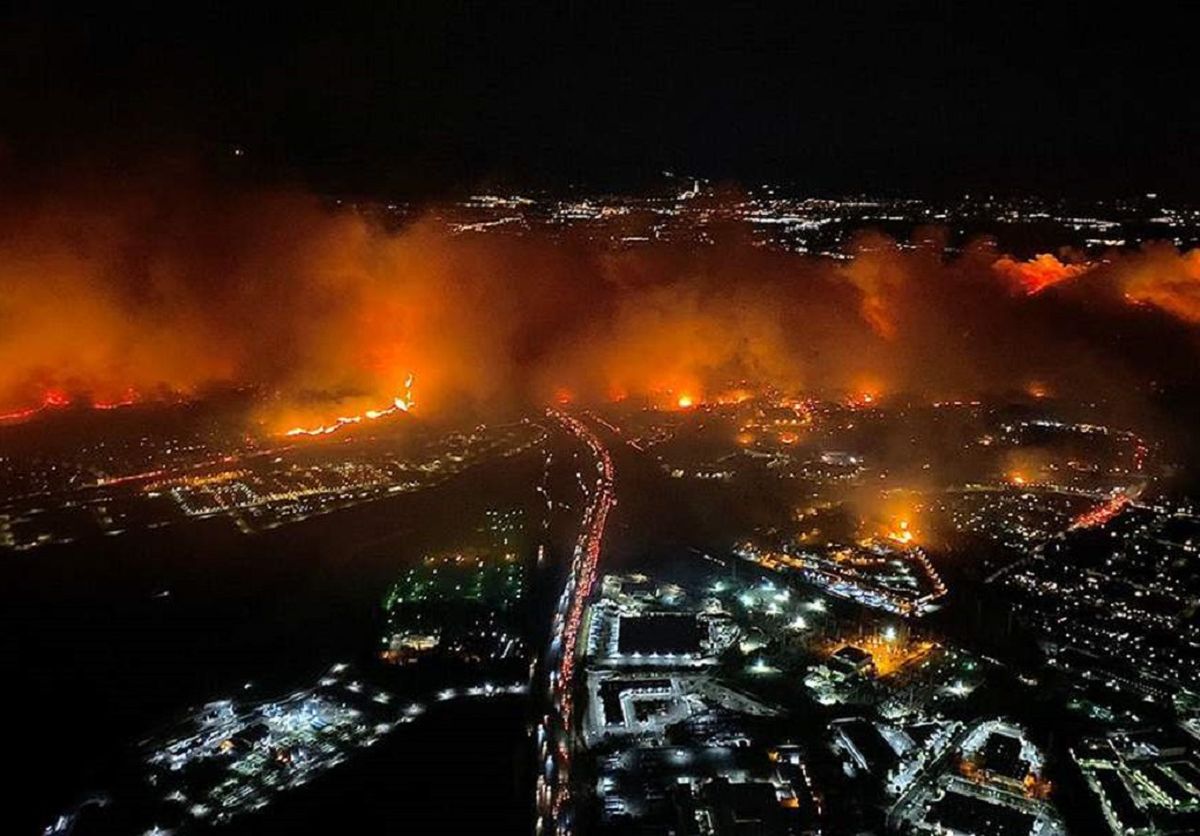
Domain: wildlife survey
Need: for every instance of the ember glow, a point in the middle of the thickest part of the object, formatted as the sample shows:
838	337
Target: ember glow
1102	513
56	399
129	399
52	399
399	404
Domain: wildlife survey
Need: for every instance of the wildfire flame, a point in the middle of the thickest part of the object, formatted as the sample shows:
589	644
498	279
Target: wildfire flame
53	399
901	533
1103	513
278	293
404	403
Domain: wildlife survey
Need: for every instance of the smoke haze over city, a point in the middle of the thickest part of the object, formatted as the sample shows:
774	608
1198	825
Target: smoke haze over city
166	285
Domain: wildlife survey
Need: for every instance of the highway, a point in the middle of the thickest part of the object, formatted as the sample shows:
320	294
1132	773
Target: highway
556	732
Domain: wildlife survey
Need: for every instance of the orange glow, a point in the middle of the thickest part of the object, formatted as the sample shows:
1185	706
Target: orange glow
1167	279
399	404
1037	274
901	533
1025	466
861	400
1037	389
895	516
734	396
51	399
1103	513
56	397
315	309
1037	787
889	654
129	399
867	392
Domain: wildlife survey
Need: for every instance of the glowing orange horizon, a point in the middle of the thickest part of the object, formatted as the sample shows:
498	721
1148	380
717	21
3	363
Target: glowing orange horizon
275	292
54	398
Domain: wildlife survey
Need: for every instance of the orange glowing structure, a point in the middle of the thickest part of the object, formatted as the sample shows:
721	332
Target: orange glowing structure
1037	787
685	402
901	533
890	652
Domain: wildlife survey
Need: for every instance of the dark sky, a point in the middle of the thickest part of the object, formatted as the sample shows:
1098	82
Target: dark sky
394	96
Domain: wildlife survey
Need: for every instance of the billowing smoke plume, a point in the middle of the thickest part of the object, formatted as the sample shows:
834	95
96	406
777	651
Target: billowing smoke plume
130	291
1038	273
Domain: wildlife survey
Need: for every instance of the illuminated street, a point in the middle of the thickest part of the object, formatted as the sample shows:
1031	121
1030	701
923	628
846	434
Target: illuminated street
557	733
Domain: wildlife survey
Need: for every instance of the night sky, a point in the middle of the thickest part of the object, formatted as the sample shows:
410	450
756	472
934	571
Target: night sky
409	98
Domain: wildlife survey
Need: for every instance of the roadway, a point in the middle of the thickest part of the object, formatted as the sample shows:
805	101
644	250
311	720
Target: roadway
556	737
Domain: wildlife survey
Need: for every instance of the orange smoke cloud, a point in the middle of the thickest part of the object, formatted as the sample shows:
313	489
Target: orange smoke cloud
126	292
1038	273
880	275
1163	277
324	312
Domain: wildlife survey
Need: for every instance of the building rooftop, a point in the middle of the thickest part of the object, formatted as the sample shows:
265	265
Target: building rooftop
969	814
